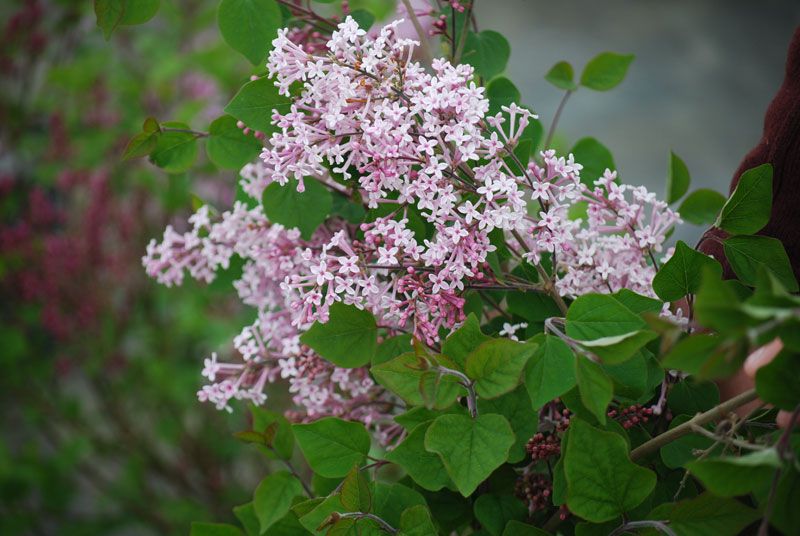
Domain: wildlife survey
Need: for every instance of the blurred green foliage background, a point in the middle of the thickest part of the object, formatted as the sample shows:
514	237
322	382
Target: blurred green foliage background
101	430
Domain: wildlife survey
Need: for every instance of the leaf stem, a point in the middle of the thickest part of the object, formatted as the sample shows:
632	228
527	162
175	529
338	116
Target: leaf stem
296	474
661	526
195	133
365	515
469	385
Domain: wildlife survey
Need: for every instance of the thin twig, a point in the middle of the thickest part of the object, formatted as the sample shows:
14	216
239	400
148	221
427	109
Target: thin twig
423	39
462	38
698	420
556	117
783	446
730	440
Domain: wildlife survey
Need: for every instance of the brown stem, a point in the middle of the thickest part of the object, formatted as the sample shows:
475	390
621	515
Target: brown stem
423	39
556	117
700	419
782	446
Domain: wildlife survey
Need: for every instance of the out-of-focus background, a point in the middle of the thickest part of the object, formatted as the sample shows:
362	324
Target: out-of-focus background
101	429
704	74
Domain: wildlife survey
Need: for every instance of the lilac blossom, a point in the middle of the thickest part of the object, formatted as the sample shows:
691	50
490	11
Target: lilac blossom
370	123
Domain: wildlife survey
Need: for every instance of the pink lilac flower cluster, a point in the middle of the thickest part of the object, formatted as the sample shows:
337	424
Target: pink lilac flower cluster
371	124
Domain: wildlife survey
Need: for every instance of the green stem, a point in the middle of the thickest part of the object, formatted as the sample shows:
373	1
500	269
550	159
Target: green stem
556	117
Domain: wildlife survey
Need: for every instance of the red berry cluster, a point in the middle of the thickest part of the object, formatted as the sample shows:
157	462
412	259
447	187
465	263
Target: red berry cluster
545	444
542	446
534	490
632	415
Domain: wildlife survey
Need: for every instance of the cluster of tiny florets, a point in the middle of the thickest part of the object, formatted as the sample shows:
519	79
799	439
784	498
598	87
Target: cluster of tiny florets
373	125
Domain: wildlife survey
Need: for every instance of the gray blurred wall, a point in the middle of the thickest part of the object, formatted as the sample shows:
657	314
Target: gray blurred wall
703	76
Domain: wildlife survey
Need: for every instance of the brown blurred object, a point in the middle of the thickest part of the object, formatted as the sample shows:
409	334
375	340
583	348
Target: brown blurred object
779	146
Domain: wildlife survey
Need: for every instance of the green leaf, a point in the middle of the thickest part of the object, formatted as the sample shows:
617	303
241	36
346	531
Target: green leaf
636	302
535	307
678	178
228	147
635	377
706	514
416	521
255	102
273	497
488	52
689	397
109	14
736	475
516	408
425	468
608	328
786	516
332	446
749	207
682	273
550	372
364	18
214	529
702	206
496	366
750	254
175	152
391	500
716	305
679	452
348	339
391	348
347	209
778	382
302	210
606	71
246	514
602	482
355	494
495	511
145	142
463	341
594	386
282	441
699	354
139	11
313	513
501	92
594	316
518	528
482	446
561	75
595	159
249	26
403	376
